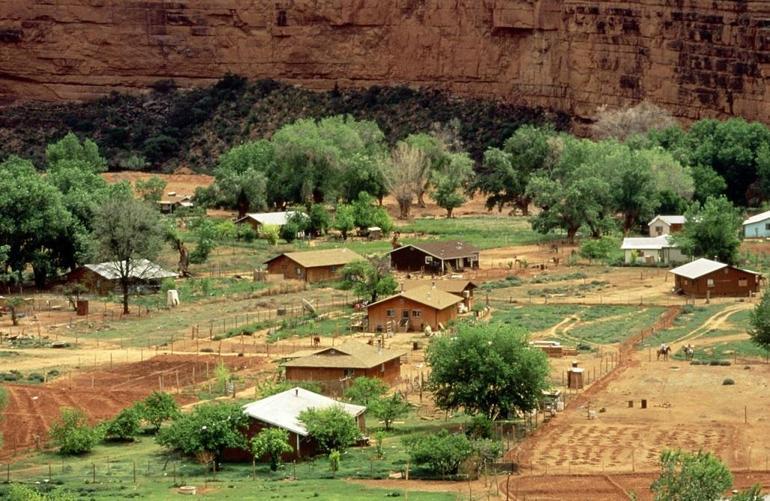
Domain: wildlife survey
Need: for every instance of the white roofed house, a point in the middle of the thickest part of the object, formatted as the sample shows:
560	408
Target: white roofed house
259	219
666	225
652	250
757	226
103	278
282	410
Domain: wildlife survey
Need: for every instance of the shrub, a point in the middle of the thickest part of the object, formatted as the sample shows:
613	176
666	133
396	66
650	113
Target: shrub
365	389
270	233
728	381
125	426
271	442
157	408
479	426
72	434
332	428
246	233
442	452
35	378
388	409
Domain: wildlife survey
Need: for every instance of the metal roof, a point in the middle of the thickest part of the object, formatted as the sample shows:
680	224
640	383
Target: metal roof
427	295
453	249
669	219
141	269
758	218
350	355
269	218
647	243
283	409
698	268
325	257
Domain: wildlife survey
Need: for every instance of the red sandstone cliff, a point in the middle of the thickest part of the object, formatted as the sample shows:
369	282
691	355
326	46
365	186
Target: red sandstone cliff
697	58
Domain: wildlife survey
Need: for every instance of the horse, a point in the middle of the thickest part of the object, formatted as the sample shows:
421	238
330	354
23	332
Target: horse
689	352
664	350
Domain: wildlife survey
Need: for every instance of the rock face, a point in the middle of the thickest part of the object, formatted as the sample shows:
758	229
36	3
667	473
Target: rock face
696	58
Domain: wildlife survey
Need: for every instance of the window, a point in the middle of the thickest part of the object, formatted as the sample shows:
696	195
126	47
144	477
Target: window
333	269
281	19
428	259
299	271
710	282
405	314
390	313
416	313
659	230
767	226
743	282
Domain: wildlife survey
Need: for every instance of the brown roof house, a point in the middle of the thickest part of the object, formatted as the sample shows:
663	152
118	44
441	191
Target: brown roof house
312	266
413	310
103	278
282	410
462	288
435	257
707	278
334	367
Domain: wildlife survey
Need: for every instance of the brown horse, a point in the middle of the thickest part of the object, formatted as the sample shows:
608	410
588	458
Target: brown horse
664	351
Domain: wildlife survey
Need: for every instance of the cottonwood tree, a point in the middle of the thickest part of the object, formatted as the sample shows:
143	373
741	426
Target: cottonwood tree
623	123
370	279
127	230
759	323
404	176
344	220
449	182
685	476
711	231
486	370
241	178
150	189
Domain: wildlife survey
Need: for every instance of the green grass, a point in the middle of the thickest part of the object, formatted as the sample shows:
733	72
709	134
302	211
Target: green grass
308	326
509	281
157	471
534	318
614	330
726	351
690	319
199	289
486	232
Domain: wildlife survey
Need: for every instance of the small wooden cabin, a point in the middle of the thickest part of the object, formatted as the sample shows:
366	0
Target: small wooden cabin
413	310
435	258
707	278
312	266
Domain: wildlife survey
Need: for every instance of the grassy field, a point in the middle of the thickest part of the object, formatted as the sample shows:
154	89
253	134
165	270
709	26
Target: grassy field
485	232
145	470
533	318
614	324
686	322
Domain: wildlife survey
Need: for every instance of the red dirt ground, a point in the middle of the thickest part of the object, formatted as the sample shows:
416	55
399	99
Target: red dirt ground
101	393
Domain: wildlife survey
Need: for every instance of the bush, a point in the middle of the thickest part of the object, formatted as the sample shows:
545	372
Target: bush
246	233
35	378
157	408
364	390
289	231
479	426
125	426
388	409
332	428
728	381
270	233
72	434
441	453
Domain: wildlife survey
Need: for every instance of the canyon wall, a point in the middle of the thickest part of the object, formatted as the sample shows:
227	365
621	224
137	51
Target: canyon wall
696	58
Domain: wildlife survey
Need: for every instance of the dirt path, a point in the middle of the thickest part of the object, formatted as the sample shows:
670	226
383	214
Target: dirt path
714	322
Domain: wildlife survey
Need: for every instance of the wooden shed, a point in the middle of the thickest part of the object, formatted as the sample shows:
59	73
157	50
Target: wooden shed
707	278
413	310
282	410
458	287
312	266
335	366
103	278
435	258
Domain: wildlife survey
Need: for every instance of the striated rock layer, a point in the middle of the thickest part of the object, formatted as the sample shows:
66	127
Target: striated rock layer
697	58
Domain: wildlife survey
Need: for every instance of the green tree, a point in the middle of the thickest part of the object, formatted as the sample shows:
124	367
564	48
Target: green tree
270	233
271	442
125	426
405	175
241	178
332	427
344	220
334	462
72	434
369	279
603	249
450	181
505	173
388	409
711	231
753	493
367	214
364	390
633	185
685	476
150	189
318	220
210	428
759	323
488	370
13	304
441	452
158	408
126	231
36	227
206	234
71	149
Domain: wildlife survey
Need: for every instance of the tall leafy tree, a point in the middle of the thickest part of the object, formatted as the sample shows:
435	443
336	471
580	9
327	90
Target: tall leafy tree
241	178
127	230
333	428
632	185
70	149
449	182
370	279
271	442
486	370
711	231
506	171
